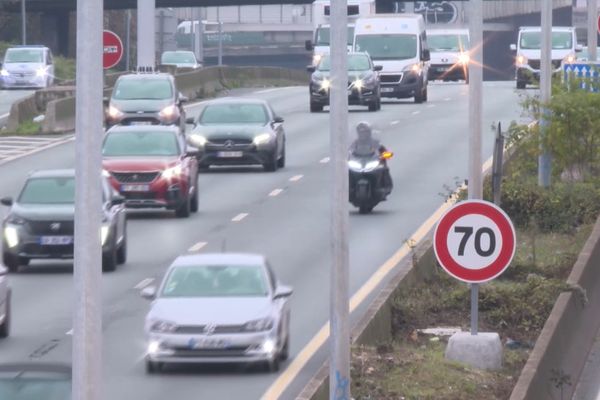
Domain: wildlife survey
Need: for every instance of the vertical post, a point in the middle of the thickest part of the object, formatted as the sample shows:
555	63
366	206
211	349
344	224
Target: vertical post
87	274
128	41
161	31
592	29
339	367
545	160
23	23
146	33
220	49
497	166
475	187
198	34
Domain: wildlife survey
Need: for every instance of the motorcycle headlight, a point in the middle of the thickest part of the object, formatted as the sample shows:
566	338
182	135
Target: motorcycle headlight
172	172
104	234
41	72
464	58
371	165
11	235
168	112
262	139
416	68
521	59
4	72
160	326
114	112
258	325
353	164
197	140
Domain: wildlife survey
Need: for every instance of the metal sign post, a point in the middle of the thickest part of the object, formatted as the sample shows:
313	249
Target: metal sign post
545	160
87	274
339	366
593	27
23	23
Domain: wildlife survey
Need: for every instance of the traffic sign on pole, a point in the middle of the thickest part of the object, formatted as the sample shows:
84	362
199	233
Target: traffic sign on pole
113	49
475	241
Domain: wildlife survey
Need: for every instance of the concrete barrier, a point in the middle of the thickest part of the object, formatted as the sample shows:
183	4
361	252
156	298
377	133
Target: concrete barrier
568	334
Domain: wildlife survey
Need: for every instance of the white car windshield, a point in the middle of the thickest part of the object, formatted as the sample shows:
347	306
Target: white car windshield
388	47
533	40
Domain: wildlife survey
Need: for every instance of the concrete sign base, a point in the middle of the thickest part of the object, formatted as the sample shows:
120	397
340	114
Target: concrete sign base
482	351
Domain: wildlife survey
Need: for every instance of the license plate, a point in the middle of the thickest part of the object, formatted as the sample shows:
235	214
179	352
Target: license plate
443	69
135	188
230	154
387	90
56	240
141	122
209	343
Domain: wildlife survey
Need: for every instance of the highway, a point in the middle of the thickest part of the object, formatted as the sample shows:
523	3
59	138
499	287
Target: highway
284	215
588	387
7	98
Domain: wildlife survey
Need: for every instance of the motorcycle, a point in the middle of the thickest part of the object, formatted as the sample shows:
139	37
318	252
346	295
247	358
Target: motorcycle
367	180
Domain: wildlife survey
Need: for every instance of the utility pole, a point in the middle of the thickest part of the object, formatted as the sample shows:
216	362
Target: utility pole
23	23
220	48
545	159
87	274
198	34
127	40
475	184
592	28
339	366
146	53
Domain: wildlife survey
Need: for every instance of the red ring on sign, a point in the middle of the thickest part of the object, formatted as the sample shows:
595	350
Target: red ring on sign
493	269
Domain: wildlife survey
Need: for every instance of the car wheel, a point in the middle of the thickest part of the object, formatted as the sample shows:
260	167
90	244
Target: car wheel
271	166
5	327
109	261
365	209
273	365
314	107
122	251
153	367
425	95
281	161
285	350
378	104
11	262
183	211
194	201
419	95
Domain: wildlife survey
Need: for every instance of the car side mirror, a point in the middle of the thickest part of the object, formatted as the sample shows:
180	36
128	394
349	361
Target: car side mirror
579	48
282	292
191	151
308	45
426	55
6	201
278	120
117	200
190	121
378	68
148	293
311	68
513	47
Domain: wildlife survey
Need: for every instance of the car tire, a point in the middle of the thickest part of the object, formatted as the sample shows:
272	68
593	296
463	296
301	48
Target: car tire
425	95
285	350
314	107
153	367
109	261
11	262
419	95
273	365
5	327
271	166
122	251
194	200
378	104
281	161
365	209
184	210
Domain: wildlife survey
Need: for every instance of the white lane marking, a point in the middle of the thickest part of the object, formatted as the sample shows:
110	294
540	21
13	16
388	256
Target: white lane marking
447	99
197	247
144	283
70	332
325	160
239	217
296	178
416	112
394	122
430	105
56	143
268	90
275	192
4	115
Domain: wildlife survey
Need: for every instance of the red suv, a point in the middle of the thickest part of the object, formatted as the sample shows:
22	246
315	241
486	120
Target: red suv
152	167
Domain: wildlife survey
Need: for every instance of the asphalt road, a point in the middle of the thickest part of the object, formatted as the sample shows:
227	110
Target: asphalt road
588	387
241	210
7	98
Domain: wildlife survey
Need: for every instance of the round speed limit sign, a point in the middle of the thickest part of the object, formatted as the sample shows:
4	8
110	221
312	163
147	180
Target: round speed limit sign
474	241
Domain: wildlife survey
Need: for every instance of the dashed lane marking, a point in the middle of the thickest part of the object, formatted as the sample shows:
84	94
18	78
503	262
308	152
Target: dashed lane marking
239	217
325	160
197	247
143	283
296	178
275	192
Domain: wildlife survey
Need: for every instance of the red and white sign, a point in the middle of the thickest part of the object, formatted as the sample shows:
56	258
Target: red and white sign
474	241
113	49
598	24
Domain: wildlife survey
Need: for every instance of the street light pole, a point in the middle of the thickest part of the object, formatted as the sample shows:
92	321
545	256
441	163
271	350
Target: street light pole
23	23
592	28
545	159
339	367
87	274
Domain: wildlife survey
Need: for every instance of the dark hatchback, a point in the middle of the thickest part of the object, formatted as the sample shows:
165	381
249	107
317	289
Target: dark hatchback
40	223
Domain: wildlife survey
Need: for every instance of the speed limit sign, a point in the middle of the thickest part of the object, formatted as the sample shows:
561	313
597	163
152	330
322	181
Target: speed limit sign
474	241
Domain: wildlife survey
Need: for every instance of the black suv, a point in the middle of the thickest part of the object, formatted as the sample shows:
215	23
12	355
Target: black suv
145	99
363	82
40	223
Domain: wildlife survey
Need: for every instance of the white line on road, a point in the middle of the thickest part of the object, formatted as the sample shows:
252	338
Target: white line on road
70	332
4	115
275	192
239	217
268	90
416	112
394	122
143	283
296	178
197	247
325	160
430	105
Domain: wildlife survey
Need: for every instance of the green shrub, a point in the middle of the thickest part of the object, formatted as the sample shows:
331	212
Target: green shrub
64	68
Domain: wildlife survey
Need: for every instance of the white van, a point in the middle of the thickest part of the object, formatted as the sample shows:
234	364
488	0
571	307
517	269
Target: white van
449	50
397	42
321	22
27	67
529	53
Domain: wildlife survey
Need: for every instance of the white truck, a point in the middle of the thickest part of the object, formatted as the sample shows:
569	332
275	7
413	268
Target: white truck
449	50
398	43
321	12
529	52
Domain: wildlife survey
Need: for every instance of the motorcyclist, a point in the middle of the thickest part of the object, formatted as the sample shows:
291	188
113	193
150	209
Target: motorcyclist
366	145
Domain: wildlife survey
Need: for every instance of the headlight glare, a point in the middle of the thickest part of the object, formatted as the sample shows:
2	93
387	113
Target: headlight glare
161	326
172	172
153	347
317	58
268	346
4	72
325	84
258	325
104	234
41	72
416	68
262	139
353	164
521	59
371	165
197	140
464	58
114	112
570	59
11	235
168	111
358	84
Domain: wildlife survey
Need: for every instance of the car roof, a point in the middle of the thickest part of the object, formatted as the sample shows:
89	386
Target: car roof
53	173
143	128
232	100
237	259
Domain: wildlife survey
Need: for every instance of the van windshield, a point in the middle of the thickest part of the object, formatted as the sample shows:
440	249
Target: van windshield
323	36
449	42
388	47
533	40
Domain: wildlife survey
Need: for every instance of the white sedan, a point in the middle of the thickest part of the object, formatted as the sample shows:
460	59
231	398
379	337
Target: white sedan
4	303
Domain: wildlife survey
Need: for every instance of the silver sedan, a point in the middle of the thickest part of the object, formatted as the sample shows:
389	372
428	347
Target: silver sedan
4	303
218	308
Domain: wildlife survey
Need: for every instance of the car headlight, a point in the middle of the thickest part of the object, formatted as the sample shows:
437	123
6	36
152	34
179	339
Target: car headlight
358	84
114	112
464	58
371	165
521	59
570	59
197	140
258	325
268	346
169	112
104	234
262	139
41	72
4	72
317	58
105	173
161	326
15	220
416	68
325	84
11	235
172	172
353	164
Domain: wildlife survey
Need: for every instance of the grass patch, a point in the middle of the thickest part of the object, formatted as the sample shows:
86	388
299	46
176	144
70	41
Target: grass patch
64	68
26	128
